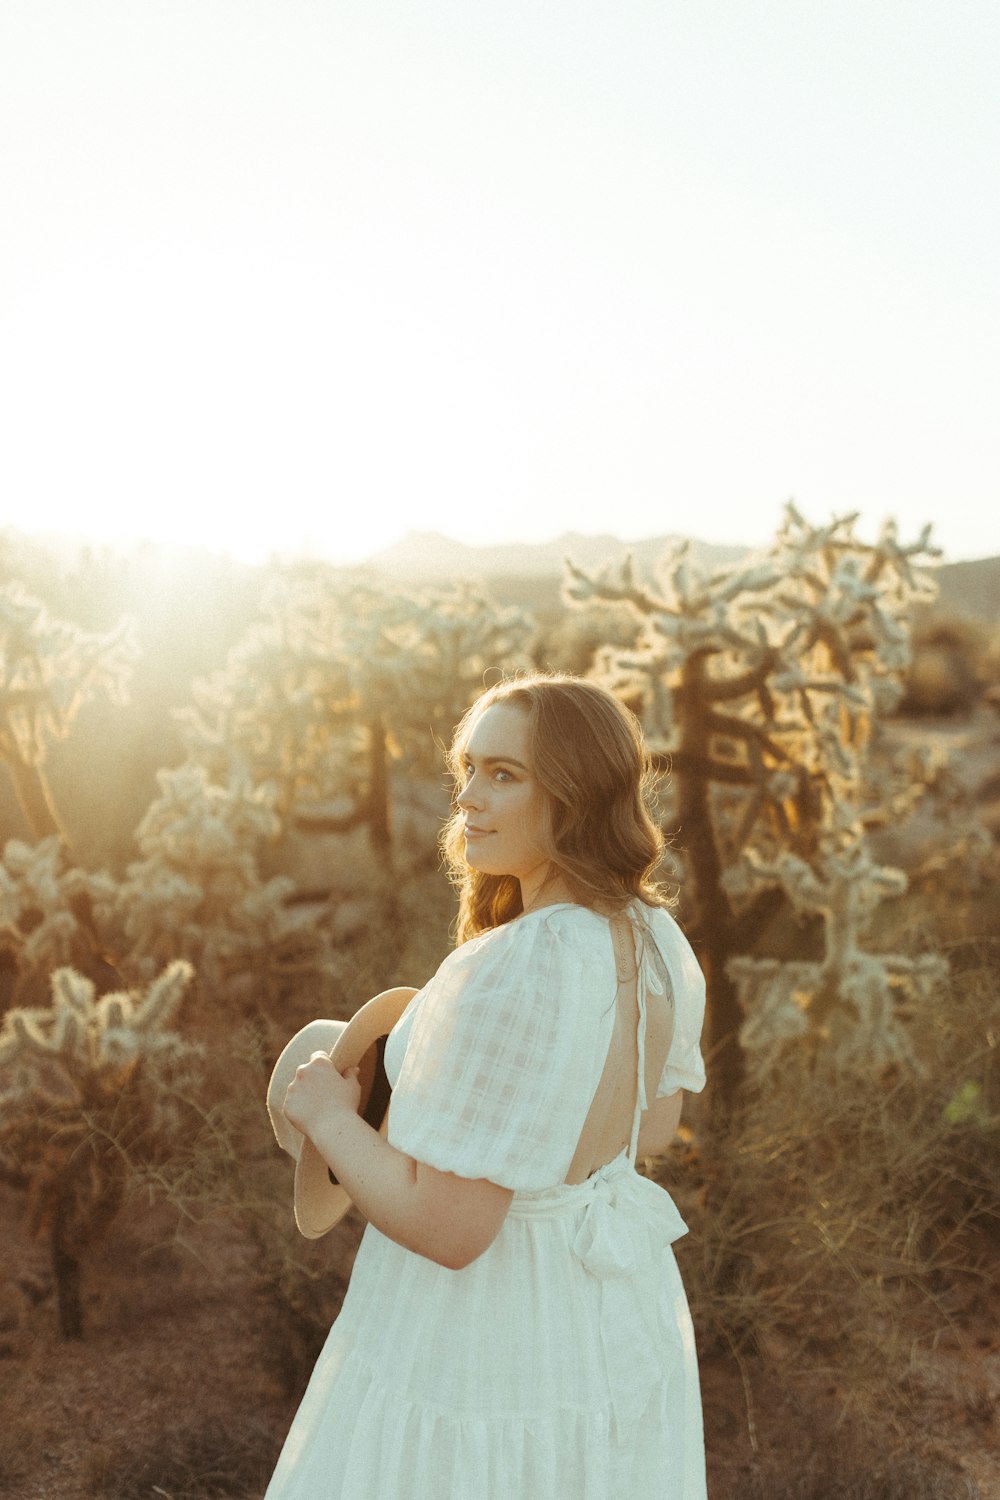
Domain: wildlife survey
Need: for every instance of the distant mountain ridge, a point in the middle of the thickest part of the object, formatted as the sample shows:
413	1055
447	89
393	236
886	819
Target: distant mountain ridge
427	556
969	588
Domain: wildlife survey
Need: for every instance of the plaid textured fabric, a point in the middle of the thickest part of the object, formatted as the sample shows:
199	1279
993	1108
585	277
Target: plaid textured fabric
560	1364
497	1059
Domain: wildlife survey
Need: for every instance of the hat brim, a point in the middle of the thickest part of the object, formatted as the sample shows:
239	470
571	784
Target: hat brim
317	1036
319	1201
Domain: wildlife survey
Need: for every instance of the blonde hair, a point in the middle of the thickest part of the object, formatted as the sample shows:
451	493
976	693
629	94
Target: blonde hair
590	760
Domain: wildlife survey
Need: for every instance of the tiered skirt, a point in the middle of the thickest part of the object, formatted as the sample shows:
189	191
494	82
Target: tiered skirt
559	1365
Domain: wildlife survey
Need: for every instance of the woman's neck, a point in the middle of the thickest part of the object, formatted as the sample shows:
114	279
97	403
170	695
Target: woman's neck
550	890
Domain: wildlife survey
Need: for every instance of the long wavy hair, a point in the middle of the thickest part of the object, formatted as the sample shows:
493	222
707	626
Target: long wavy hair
590	760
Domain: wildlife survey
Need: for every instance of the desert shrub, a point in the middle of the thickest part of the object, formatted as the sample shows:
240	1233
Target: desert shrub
953	662
227	1171
831	1218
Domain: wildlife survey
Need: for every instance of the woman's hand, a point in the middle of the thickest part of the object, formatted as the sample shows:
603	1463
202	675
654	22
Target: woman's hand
318	1092
446	1218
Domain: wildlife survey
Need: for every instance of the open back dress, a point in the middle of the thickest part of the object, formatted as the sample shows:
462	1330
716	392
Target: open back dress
560	1364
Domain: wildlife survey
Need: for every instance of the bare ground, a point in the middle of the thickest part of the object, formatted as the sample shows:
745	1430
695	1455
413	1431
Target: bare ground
180	1389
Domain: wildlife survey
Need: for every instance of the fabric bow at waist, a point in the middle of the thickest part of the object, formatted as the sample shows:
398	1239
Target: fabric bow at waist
626	1226
627	1222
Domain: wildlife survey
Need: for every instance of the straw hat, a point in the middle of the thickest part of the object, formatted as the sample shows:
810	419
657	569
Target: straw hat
320	1201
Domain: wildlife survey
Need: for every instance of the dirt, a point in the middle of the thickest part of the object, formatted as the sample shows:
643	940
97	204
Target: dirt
167	1336
177	1389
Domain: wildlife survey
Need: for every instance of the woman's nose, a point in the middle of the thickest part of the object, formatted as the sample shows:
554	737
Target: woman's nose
468	796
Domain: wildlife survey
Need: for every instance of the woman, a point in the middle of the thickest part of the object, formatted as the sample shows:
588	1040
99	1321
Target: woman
515	1327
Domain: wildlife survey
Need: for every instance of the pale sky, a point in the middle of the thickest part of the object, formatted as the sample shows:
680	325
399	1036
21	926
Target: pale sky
312	273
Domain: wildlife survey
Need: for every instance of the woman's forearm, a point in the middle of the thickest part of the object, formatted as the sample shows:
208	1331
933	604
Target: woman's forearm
380	1180
450	1220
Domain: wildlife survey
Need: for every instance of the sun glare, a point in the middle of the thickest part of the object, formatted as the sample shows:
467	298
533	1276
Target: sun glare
170	400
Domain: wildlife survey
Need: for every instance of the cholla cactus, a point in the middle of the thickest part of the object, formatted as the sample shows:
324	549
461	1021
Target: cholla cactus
45	906
343	678
759	685
48	669
846	1002
295	737
197	892
81	1081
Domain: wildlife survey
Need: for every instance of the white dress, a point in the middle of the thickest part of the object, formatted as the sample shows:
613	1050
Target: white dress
559	1365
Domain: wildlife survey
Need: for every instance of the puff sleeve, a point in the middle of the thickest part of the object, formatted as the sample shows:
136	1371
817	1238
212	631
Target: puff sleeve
505	1050
684	1067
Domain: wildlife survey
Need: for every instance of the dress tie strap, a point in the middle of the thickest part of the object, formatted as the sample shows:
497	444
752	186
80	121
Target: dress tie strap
640	1093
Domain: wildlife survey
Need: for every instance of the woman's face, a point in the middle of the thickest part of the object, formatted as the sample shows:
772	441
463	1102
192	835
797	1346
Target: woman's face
506	813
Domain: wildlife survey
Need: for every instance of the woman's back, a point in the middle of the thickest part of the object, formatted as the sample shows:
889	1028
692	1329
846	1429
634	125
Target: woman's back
640	1042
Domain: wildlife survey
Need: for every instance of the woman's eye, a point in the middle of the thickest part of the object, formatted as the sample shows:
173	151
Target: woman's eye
498	774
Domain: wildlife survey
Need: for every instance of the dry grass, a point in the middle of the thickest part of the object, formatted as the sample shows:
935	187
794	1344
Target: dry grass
21	1444
842	1242
837	1466
806	1450
845	1234
194	1460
